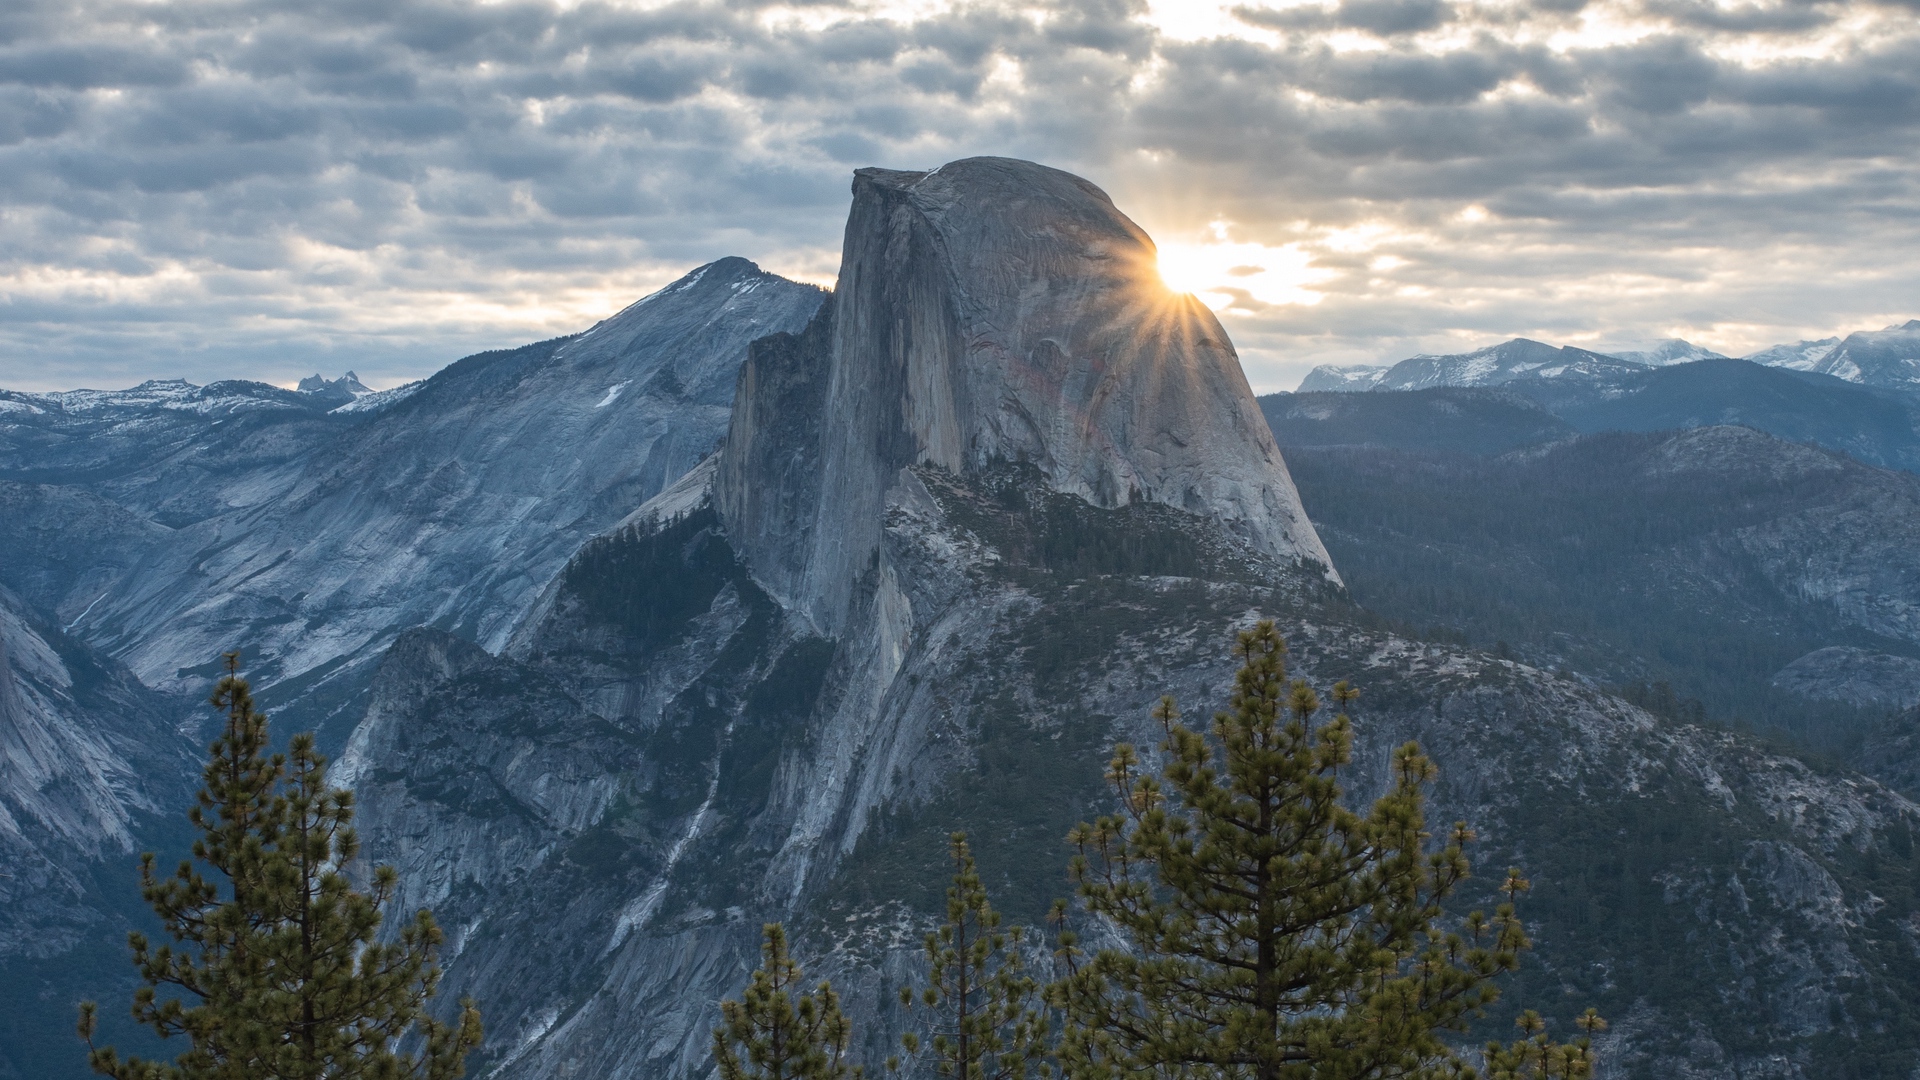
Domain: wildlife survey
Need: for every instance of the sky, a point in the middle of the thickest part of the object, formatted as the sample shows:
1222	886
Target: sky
267	189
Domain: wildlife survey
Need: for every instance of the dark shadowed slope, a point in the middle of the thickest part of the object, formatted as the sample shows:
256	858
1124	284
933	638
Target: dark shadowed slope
1709	559
1873	426
1468	420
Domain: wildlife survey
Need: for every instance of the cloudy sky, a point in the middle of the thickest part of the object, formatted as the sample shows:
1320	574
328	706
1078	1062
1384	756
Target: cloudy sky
266	188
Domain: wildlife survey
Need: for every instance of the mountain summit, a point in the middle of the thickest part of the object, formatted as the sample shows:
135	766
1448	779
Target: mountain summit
989	311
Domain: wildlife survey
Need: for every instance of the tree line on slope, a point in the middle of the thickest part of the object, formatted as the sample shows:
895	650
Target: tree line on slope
1573	558
1259	928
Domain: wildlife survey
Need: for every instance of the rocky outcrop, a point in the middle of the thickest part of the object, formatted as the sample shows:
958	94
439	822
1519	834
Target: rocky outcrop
905	598
1855	676
993	311
1701	890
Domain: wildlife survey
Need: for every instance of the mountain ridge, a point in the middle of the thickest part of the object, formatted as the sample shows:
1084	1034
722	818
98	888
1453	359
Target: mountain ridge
1886	359
686	742
970	516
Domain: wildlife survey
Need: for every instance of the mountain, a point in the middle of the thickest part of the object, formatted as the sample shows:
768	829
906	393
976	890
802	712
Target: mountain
1503	363
1874	426
1497	364
348	384
1663	353
168	450
1799	356
1472	420
1717	560
997	496
1334	377
161	526
1888	358
312	534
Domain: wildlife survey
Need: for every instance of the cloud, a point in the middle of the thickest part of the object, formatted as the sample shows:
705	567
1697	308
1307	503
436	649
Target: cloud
216	188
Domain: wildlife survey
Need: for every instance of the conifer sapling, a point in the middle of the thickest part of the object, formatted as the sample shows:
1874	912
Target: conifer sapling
775	1032
981	1007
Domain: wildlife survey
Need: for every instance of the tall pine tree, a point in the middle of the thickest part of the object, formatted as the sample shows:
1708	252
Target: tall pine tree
1272	932
274	965
776	1031
983	1010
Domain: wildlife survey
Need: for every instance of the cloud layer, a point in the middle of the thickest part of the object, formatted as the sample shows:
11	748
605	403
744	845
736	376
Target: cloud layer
264	188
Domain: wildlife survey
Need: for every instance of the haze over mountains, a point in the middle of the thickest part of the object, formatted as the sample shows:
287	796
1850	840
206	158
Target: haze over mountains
1885	359
732	607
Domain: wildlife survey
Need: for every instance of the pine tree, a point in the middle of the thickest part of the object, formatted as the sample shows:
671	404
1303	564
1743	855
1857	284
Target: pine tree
275	959
772	1033
1274	933
983	1007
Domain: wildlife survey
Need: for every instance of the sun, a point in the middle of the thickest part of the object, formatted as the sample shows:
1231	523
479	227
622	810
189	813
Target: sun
1224	273
1187	268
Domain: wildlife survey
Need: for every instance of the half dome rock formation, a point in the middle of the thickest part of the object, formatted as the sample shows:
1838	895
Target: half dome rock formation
991	311
967	526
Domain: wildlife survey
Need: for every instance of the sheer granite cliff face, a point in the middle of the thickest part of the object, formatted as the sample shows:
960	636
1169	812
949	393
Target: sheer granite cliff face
936	571
992	310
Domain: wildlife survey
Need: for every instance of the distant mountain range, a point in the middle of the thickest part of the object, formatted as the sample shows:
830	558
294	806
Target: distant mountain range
1683	533
1577	392
733	607
1886	359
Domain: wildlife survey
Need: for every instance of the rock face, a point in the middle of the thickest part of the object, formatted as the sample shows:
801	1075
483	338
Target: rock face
89	760
313	544
84	750
994	310
1855	676
701	728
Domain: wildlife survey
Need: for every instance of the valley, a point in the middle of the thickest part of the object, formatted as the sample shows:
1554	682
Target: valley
732	607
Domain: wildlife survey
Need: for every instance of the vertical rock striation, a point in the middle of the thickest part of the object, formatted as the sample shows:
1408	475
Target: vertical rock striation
1000	494
992	310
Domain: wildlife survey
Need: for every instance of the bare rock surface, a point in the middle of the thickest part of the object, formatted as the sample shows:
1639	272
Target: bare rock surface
935	572
1855	676
995	310
453	505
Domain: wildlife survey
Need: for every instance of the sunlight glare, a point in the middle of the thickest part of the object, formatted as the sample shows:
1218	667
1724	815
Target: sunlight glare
1224	273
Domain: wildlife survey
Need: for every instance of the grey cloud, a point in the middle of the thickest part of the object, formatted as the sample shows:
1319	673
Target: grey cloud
1389	17
85	67
423	146
1773	18
1455	77
1662	75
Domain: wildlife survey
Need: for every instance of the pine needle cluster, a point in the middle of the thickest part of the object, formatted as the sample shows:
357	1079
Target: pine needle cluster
775	1033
